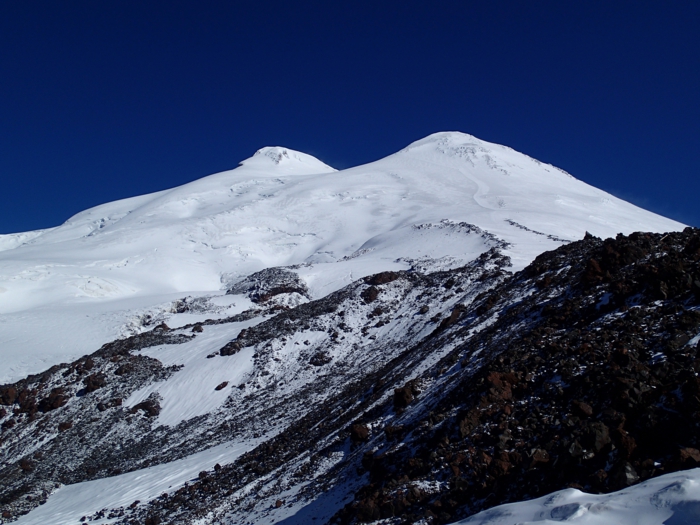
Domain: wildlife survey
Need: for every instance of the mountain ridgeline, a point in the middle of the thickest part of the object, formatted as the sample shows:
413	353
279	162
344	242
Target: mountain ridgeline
411	341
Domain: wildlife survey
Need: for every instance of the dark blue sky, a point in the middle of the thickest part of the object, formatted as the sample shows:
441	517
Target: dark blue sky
101	100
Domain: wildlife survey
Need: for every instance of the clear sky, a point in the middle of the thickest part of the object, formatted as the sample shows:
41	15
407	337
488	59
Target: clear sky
101	100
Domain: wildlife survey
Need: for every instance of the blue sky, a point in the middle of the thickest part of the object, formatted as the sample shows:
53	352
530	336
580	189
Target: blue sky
110	99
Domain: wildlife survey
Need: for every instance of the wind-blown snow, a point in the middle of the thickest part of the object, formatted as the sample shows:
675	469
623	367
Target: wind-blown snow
673	499
193	391
282	208
69	503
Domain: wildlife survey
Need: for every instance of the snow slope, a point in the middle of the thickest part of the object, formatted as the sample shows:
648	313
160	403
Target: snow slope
67	290
69	503
673	499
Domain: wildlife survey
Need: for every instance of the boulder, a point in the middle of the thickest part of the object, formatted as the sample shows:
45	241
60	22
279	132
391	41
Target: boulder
94	382
150	407
402	397
56	399
370	294
359	433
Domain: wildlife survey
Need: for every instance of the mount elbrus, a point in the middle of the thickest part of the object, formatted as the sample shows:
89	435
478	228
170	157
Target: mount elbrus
414	340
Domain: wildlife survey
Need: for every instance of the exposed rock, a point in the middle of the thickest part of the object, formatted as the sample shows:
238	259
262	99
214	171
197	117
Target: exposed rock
359	433
689	457
382	278
598	436
94	382
8	395
266	284
320	358
150	407
583	409
370	294
56	399
403	397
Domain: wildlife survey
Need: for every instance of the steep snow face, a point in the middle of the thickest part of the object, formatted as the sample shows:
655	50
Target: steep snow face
414	209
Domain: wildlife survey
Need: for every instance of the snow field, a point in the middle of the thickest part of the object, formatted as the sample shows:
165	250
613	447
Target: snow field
69	503
191	391
282	208
672	499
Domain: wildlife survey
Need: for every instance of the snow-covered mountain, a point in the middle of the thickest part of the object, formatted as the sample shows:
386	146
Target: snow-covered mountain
395	342
95	277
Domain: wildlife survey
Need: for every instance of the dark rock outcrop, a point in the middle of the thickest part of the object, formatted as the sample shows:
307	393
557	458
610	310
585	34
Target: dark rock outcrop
266	284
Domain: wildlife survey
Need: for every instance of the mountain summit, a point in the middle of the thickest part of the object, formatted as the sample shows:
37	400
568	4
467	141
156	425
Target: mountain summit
288	160
411	340
415	208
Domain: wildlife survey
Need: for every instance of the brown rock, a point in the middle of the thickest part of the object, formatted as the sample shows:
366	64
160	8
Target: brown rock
576	450
599	476
495	379
26	465
500	467
689	456
484	458
516	458
230	348
221	386
468	424
402	397
539	457
320	358
370	294
367	510
626	443
115	402
598	436
8	395
94	382
457	312
382	278
624	476
27	402
583	409
124	369
56	399
359	433
387	510
593	273
393	432
150	407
